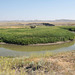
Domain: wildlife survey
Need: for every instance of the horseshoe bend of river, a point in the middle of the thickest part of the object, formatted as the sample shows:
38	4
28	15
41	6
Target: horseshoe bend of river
18	50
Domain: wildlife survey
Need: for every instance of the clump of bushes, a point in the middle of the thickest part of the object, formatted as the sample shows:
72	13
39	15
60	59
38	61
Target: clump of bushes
42	34
32	26
70	28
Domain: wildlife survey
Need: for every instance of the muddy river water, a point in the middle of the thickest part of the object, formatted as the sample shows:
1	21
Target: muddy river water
18	50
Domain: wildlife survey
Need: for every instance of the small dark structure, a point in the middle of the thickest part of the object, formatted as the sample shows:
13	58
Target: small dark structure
36	24
48	24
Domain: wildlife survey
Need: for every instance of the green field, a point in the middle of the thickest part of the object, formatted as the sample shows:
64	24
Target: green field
41	34
70	28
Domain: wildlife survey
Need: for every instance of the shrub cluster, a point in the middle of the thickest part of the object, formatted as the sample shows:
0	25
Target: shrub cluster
70	28
24	36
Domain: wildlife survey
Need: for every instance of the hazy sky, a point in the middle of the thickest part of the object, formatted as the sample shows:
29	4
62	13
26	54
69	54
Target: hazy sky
37	9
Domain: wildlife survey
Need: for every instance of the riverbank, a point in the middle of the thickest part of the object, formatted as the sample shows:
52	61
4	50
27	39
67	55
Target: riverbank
49	64
41	44
2	43
44	44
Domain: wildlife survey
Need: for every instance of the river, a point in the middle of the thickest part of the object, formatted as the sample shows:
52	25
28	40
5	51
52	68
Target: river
18	50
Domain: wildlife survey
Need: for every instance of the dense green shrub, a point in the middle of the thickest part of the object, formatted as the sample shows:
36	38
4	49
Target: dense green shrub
70	28
33	36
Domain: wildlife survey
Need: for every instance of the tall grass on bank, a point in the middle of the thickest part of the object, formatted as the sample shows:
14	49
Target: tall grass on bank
40	34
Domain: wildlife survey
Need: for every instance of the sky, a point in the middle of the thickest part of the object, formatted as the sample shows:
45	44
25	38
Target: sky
37	9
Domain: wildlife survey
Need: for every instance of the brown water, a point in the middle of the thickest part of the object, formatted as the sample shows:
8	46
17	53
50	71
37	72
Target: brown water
18	50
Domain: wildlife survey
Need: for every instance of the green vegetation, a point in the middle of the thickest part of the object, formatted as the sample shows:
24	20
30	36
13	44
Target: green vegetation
41	34
70	28
32	26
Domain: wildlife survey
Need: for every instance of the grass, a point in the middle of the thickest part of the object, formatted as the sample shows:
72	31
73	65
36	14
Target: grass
70	28
41	34
58	64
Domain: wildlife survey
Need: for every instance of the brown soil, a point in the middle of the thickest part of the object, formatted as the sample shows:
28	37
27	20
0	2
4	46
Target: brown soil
61	42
